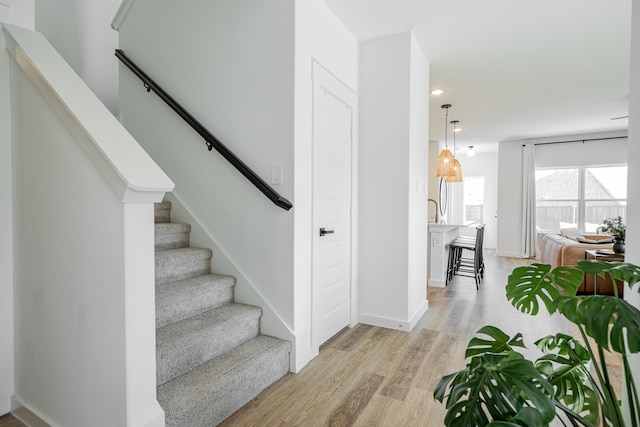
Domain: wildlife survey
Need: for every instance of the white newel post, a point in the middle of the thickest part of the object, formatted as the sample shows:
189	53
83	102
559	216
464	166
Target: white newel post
140	345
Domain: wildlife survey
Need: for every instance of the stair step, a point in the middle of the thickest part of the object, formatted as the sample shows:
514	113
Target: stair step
183	345
210	393
162	212
183	263
171	236
178	300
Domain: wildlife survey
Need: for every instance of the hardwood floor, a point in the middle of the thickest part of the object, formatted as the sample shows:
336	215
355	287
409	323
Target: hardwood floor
370	376
10	421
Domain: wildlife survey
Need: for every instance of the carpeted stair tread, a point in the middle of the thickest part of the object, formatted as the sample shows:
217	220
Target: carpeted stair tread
183	345
210	358
208	394
162	212
171	236
183	263
178	300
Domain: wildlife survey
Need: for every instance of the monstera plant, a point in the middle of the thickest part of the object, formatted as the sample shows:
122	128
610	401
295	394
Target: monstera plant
570	382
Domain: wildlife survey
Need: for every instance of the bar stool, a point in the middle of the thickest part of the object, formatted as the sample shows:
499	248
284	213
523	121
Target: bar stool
471	240
458	265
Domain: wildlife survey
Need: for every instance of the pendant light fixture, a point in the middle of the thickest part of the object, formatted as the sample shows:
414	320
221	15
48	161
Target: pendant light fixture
445	158
455	173
471	151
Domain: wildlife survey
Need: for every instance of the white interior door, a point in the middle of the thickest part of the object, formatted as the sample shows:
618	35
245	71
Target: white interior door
333	120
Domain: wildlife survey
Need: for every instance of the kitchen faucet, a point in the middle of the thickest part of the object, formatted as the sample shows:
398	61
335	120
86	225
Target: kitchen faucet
435	203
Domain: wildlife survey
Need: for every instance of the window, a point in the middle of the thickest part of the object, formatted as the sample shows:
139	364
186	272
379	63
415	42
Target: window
473	200
579	197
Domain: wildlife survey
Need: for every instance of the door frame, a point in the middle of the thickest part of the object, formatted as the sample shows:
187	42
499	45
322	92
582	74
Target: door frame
323	78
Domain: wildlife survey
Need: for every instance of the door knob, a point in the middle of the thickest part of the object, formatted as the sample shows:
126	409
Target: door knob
324	231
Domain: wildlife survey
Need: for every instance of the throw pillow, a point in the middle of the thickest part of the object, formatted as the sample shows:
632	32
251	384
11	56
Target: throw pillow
571	233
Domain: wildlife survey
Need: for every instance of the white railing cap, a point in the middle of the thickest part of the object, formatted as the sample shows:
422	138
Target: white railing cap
130	172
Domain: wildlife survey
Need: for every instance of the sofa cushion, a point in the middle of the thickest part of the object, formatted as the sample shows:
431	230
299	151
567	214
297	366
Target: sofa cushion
595	241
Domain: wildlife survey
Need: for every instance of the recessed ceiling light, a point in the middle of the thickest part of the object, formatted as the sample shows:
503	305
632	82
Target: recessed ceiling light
437	92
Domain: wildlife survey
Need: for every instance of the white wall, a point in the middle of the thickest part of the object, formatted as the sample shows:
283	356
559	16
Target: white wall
49	315
232	66
81	32
606	152
6	232
393	158
418	179
509	196
83	194
510	176
246	77
433	181
633	203
319	37
485	165
19	12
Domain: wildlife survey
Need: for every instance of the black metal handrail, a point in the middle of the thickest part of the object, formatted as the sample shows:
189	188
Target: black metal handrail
211	141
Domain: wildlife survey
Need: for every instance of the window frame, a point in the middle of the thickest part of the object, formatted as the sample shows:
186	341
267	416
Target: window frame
581	201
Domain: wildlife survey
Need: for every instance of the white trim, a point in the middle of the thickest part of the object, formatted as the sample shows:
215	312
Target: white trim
322	78
132	175
437	283
508	254
29	417
398	324
315	62
413	320
121	14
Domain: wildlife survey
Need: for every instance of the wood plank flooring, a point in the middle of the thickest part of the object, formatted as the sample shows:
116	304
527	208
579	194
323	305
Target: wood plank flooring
10	421
370	376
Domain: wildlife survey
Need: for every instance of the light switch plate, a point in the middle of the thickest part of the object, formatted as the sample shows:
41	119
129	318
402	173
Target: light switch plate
276	174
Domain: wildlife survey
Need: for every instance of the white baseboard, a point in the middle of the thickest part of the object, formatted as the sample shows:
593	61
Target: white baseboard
508	254
397	324
413	321
25	415
437	283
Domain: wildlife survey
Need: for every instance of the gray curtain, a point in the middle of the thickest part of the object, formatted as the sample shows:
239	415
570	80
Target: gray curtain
529	234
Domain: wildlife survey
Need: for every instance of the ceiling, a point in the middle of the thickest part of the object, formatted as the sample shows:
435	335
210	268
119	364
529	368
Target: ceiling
512	69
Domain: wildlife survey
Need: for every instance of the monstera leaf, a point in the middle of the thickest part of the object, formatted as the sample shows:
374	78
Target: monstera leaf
530	285
604	319
527	417
497	342
565	365
500	387
623	271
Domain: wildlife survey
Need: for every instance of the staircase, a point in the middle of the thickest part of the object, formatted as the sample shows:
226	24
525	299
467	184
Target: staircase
211	359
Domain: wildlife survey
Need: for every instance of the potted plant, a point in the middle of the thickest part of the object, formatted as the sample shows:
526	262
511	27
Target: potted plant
616	228
570	381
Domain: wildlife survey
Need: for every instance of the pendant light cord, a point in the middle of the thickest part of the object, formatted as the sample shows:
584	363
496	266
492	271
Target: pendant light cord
454	122
446	124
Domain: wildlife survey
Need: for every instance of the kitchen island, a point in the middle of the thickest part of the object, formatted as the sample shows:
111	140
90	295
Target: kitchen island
439	238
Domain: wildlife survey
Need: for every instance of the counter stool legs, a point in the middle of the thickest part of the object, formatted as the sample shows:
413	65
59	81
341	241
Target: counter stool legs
457	265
